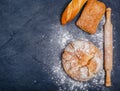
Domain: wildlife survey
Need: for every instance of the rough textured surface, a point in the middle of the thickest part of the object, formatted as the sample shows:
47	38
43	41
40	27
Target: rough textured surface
82	60
91	16
29	44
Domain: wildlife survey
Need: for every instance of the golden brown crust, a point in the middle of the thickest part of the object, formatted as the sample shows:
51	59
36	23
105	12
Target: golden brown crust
81	60
72	10
91	16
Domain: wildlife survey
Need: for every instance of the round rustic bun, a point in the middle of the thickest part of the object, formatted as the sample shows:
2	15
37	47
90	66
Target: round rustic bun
82	60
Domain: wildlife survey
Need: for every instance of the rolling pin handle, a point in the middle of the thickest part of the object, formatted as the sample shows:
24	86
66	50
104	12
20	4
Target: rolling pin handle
108	14
108	78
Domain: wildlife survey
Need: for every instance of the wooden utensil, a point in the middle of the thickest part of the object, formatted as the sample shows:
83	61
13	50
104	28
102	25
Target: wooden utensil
108	46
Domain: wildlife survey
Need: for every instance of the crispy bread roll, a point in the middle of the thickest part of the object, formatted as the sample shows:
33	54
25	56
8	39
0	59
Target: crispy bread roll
82	60
91	16
72	10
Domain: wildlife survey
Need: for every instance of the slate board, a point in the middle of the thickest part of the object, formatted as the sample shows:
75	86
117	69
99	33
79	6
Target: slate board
25	48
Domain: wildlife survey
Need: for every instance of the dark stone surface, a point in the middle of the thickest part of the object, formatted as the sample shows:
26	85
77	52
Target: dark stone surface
25	40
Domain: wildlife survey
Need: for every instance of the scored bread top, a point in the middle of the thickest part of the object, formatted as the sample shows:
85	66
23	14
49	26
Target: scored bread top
81	60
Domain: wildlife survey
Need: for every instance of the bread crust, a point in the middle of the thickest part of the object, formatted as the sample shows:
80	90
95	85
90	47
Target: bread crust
81	60
91	16
72	10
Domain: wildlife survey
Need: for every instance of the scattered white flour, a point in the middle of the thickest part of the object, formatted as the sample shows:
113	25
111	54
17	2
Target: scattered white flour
61	36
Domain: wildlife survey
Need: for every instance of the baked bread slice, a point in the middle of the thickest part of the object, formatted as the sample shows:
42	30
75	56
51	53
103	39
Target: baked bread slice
91	16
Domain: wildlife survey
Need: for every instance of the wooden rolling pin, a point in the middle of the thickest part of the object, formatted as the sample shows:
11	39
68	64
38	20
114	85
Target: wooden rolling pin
108	45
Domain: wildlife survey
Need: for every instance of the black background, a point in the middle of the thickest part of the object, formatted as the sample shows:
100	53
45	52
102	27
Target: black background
23	48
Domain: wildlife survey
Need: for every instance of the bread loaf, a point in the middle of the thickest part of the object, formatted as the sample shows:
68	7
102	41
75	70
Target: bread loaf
82	60
72	10
91	16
